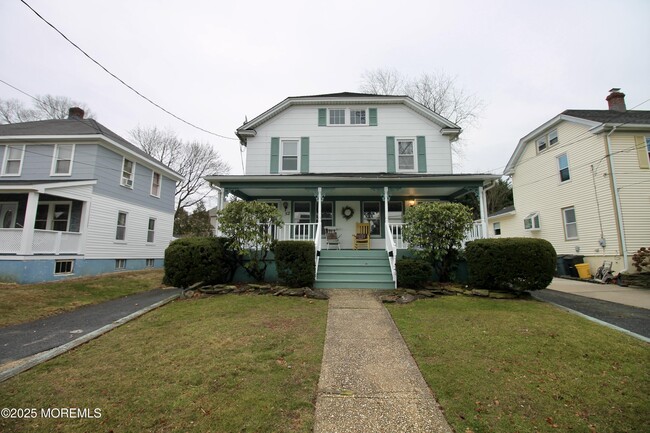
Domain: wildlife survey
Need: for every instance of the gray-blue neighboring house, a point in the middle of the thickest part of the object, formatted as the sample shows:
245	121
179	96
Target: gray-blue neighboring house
77	199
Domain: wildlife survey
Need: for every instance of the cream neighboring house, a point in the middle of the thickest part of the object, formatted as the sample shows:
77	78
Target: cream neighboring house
582	181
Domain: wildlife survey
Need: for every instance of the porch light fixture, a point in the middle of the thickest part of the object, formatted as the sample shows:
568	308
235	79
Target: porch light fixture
285	205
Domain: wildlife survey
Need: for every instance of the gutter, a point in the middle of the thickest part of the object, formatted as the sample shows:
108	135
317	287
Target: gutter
617	198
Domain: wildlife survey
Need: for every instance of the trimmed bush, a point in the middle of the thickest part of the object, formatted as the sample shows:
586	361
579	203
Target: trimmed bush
515	264
295	263
413	273
192	260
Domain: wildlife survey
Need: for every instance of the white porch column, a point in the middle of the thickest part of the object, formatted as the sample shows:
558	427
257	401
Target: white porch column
320	204
27	239
483	207
386	198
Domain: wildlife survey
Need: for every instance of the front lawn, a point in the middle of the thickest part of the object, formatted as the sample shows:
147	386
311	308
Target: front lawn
525	366
231	363
23	303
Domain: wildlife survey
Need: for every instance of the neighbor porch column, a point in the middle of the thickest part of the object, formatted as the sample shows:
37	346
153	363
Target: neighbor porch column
483	208
27	239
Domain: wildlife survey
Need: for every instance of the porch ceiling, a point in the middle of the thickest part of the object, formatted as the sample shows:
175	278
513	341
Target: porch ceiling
412	186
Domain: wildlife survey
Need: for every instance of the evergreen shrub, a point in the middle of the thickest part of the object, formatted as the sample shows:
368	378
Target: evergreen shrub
413	273
192	260
295	262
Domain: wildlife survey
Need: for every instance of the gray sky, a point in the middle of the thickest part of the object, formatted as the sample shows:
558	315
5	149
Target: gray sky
212	62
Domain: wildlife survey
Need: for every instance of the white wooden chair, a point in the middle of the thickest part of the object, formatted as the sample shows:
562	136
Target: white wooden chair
332	237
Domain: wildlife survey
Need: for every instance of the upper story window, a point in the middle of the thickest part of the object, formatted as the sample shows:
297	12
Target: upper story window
13	160
405	154
563	165
62	161
337	116
155	184
647	146
128	173
289	154
357	117
547	140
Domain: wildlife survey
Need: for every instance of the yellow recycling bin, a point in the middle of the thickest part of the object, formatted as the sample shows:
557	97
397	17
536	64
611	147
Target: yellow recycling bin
583	270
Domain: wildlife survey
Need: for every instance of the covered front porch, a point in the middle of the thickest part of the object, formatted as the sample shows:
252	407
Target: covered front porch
43	219
312	204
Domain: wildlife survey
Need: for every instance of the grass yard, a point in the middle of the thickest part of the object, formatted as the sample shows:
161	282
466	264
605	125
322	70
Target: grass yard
525	366
23	303
231	363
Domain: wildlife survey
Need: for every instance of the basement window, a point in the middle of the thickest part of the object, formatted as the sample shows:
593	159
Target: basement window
120	263
62	267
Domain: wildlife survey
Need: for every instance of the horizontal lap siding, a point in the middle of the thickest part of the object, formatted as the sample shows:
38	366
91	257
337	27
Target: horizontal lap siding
537	187
100	240
634	186
340	149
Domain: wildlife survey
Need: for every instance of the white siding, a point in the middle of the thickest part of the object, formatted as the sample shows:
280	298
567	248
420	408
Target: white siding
537	188
102	223
348	149
634	186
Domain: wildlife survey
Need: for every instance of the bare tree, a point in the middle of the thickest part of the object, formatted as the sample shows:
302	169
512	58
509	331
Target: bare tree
435	90
43	107
192	160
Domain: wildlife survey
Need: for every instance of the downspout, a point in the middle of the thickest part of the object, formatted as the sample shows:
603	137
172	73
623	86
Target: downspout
617	199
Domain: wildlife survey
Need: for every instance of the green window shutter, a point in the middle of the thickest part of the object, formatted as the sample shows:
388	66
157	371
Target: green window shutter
422	155
390	154
641	151
322	117
304	154
275	155
372	113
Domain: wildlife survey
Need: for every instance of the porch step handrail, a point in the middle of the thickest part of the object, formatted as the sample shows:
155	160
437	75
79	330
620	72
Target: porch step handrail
391	249
317	244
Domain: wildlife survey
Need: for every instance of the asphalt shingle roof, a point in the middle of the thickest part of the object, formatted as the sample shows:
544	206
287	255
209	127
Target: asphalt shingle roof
608	116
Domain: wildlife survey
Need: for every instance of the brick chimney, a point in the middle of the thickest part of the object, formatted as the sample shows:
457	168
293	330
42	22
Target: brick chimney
616	100
75	113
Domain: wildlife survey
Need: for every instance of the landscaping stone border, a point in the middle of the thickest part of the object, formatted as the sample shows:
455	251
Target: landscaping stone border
199	289
405	296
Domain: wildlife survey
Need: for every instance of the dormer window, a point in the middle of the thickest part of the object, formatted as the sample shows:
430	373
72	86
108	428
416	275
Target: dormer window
546	141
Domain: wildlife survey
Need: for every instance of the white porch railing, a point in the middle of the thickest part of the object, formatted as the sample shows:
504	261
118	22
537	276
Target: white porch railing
297	232
397	231
44	242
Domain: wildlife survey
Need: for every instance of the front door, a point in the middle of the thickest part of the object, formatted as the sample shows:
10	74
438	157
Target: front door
8	211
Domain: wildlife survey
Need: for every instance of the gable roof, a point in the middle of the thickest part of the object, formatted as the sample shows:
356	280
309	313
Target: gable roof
597	121
248	128
78	128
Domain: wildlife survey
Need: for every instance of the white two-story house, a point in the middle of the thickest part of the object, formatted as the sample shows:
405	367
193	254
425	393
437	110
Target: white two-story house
339	159
77	199
582	181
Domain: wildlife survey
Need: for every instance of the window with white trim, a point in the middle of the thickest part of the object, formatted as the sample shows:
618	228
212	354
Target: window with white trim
563	166
371	213
128	173
62	160
547	140
337	116
358	117
13	160
497	228
53	216
570	223
289	155
151	230
155	184
150	263
62	267
405	150
647	145
120	231
531	222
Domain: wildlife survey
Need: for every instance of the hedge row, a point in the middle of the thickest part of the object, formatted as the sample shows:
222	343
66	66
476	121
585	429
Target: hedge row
296	263
516	264
192	260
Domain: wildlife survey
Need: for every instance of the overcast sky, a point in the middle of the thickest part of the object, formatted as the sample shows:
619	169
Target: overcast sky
214	62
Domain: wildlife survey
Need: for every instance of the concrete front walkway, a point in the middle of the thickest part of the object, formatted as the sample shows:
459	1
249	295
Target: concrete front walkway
639	298
369	381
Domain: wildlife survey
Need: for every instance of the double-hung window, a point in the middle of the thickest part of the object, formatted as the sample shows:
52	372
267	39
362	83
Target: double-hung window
497	228
563	165
371	213
405	154
570	223
151	230
62	161
357	117
547	140
337	116
120	231
155	184
326	216
290	155
13	160
531	222
128	172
